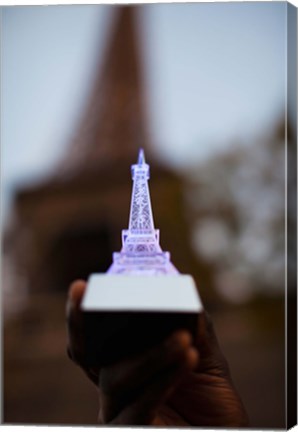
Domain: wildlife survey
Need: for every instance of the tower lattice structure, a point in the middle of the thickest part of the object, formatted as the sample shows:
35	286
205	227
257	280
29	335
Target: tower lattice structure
141	252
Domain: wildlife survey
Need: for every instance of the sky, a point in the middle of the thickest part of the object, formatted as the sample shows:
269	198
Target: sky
215	74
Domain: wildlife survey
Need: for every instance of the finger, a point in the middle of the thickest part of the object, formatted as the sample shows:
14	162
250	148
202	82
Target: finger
212	358
145	407
130	374
75	345
74	321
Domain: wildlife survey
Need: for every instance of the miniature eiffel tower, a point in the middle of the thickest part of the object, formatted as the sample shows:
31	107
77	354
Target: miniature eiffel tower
141	252
142	298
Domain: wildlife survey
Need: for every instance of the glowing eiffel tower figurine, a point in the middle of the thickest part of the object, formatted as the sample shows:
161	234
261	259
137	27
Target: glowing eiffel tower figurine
142	297
141	252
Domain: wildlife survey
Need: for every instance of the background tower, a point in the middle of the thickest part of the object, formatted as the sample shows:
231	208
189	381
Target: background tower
85	204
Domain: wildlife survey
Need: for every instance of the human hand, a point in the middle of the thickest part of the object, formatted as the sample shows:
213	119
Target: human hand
180	382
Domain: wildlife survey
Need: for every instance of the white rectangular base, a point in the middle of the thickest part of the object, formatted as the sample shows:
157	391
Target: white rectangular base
169	293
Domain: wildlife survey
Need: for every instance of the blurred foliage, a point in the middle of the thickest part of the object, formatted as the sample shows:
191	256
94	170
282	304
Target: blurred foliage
237	202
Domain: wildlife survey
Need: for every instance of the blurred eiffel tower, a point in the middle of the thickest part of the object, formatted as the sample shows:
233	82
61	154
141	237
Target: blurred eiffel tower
68	226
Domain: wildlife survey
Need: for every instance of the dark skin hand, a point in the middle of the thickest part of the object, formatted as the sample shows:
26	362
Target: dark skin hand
180	382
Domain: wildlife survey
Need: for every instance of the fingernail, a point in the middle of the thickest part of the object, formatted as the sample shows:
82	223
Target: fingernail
76	291
183	338
192	358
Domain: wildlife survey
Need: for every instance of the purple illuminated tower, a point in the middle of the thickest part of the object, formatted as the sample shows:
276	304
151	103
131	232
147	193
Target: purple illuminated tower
141	252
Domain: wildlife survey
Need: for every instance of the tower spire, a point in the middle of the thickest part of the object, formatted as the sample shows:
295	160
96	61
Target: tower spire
141	217
141	252
141	158
114	122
